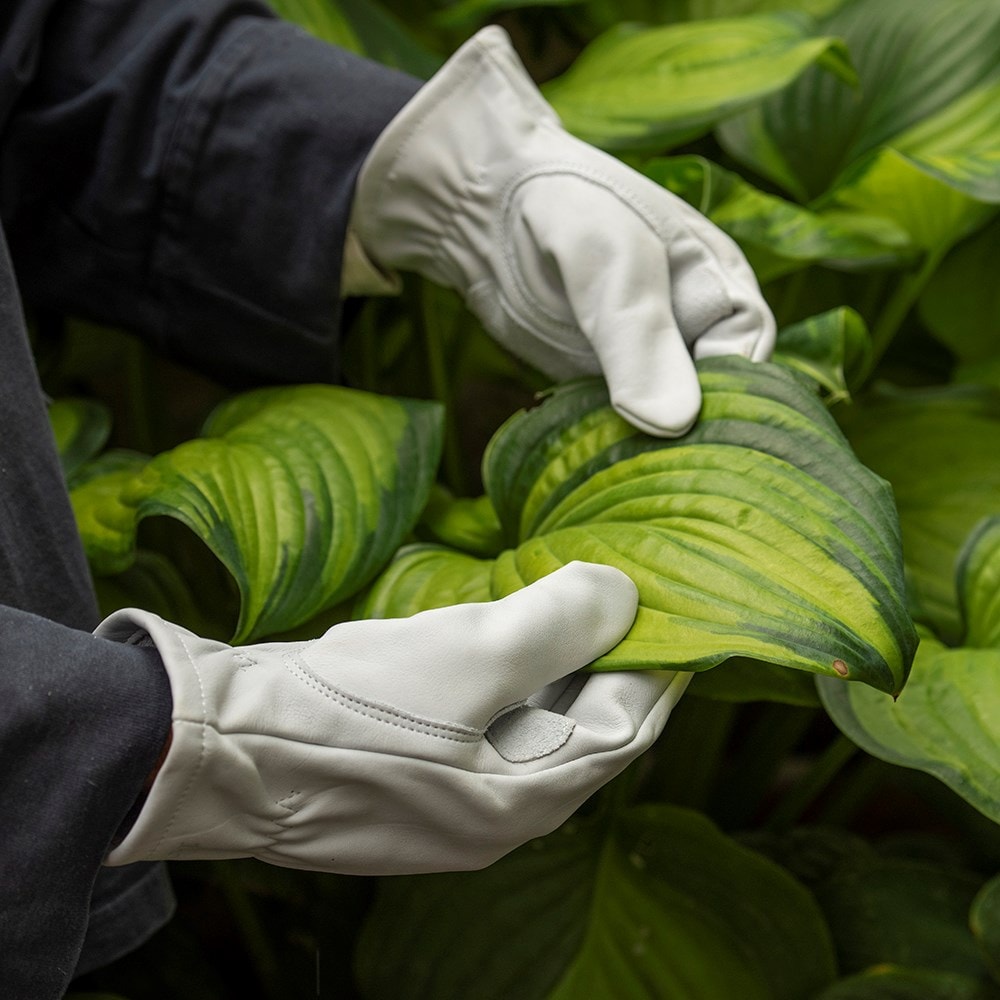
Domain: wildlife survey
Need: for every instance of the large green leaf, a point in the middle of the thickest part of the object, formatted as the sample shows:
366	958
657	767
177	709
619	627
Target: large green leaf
465	523
832	349
978	570
657	904
938	447
696	10
361	26
81	428
883	909
928	87
471	13
961	303
902	912
778	236
636	87
427	576
303	493
947	721
984	919
758	534
888	982
105	522
888	185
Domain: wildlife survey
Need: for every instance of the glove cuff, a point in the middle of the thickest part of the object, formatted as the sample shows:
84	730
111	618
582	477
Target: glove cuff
197	806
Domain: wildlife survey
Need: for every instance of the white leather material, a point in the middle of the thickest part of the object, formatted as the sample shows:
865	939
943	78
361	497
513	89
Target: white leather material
402	745
575	262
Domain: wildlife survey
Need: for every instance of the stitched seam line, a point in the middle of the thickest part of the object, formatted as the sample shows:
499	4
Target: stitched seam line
381	713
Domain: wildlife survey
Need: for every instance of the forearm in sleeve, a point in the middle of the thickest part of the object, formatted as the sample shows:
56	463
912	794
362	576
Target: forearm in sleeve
83	724
185	168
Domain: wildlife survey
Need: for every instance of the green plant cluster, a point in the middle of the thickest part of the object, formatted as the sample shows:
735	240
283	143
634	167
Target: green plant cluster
820	820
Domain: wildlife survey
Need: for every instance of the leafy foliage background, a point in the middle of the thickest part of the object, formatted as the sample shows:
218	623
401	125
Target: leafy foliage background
789	837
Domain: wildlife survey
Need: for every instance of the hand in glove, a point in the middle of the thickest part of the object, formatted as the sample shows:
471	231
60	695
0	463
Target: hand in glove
572	260
437	742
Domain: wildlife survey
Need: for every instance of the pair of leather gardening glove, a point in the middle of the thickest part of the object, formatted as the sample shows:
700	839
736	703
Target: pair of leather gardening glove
445	740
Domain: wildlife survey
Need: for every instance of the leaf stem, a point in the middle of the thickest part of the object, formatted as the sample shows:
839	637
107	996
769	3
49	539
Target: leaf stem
141	397
843	805
441	389
774	734
690	755
900	302
367	332
257	946
825	768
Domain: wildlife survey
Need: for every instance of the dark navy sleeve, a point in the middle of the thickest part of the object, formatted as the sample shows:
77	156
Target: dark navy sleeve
184	169
82	721
81	730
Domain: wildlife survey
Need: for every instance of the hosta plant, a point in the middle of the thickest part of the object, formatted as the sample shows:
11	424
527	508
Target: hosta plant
820	819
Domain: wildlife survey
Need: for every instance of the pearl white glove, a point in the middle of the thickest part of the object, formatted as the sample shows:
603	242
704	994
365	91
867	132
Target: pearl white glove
572	260
437	742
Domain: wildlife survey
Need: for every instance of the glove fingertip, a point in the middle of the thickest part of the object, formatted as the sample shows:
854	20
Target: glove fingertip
671	412
600	592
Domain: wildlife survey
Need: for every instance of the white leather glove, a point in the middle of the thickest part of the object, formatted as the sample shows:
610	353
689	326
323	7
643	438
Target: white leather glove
398	745
572	260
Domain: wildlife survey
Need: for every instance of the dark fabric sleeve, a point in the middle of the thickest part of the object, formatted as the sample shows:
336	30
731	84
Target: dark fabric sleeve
184	169
82	720
82	729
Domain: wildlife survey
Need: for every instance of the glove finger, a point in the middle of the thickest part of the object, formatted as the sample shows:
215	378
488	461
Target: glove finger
612	269
746	325
622	704
466	663
558	695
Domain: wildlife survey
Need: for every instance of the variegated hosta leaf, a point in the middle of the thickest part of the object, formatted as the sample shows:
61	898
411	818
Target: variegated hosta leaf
779	236
303	493
961	302
978	572
105	522
889	185
904	912
427	576
947	721
363	27
758	534
81	428
984	919
465	523
929	80
655	902
889	982
469	14
832	349
636	87
938	447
